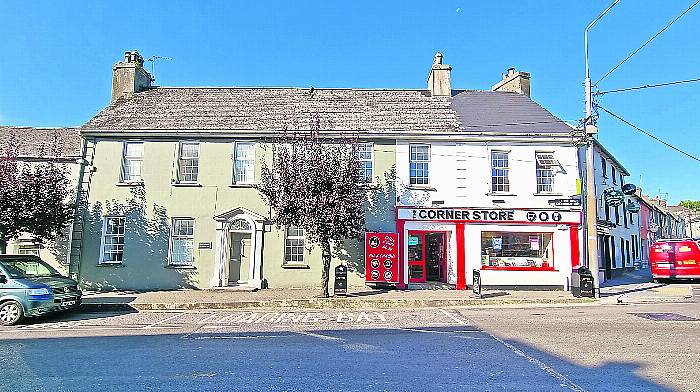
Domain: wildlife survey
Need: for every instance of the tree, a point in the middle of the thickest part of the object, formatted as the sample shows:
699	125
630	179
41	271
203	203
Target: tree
690	204
35	197
314	183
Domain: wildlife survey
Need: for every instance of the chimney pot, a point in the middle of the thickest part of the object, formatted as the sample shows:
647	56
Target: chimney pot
439	78
514	81
129	76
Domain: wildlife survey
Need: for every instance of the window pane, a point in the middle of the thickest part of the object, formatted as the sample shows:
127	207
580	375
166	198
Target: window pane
366	157
133	150
499	171
113	240
189	150
505	249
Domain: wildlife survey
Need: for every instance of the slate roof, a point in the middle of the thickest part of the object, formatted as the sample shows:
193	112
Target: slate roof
506	112
42	142
274	109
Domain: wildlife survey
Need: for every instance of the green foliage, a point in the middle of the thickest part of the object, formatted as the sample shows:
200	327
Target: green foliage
693	205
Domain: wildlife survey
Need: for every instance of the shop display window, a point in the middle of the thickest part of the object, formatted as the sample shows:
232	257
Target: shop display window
516	251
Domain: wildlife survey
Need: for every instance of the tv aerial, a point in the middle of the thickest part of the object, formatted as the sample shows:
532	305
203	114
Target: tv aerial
153	60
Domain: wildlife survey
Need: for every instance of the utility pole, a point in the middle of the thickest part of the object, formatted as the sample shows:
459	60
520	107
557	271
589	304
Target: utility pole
590	213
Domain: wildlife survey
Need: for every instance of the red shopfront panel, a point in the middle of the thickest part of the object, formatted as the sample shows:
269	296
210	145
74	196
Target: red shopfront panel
381	258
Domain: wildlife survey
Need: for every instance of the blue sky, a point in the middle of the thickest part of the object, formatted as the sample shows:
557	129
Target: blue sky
56	58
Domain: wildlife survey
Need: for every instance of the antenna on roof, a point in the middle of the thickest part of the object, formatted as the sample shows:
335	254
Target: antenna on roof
153	60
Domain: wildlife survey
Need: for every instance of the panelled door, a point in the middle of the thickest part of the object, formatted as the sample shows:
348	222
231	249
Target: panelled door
416	257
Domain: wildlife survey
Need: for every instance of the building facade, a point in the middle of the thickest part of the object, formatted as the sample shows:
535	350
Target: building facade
60	146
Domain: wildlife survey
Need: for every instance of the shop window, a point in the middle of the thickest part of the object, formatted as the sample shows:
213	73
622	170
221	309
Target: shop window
544	171
182	242
499	171
294	245
419	162
29	249
516	251
243	163
188	162
365	154
112	249
132	162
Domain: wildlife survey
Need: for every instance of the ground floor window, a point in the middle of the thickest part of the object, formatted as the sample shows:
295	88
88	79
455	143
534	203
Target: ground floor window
516	250
29	249
182	242
294	245
112	240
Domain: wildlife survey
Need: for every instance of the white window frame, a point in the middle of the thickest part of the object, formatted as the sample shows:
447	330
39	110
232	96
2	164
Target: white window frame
288	247
174	237
505	186
544	171
366	161
424	179
182	160
104	243
29	249
249	160
128	160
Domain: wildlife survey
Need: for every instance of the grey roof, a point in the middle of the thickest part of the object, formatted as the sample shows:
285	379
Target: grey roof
504	112
274	109
42	142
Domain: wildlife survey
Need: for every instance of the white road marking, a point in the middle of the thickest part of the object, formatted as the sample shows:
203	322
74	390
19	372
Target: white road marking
446	313
204	320
318	335
235	337
563	380
163	321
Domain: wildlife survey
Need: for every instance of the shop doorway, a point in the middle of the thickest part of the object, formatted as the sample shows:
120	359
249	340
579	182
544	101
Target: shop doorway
427	256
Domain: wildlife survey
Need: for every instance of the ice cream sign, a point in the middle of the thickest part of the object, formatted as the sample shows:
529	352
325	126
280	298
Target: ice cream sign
381	258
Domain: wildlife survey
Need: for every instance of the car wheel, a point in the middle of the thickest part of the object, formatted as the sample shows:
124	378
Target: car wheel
11	313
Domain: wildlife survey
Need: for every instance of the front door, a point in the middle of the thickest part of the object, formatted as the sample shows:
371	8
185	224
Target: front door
239	258
426	257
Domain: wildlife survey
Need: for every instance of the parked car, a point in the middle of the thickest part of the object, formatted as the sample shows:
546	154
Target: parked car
30	287
675	259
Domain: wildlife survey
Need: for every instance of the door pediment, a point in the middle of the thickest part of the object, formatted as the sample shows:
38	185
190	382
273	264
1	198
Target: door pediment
237	212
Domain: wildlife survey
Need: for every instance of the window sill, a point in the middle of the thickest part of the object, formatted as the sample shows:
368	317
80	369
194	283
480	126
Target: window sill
132	183
295	266
178	267
426	188
500	194
111	265
187	184
241	185
547	194
368	185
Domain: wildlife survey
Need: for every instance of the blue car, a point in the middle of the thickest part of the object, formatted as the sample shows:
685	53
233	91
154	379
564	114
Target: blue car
30	287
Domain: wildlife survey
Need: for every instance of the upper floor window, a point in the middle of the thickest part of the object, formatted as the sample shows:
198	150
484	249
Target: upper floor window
188	162
244	163
419	164
544	170
132	162
604	165
29	249
499	171
294	245
614	177
112	249
365	154
182	241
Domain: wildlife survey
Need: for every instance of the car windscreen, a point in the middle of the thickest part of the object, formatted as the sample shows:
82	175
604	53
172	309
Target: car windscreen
28	268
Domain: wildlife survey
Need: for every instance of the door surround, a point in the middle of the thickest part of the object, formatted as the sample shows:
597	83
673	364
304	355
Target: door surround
245	221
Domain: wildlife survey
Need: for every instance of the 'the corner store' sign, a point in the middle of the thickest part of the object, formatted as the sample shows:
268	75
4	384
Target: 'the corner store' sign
487	215
382	258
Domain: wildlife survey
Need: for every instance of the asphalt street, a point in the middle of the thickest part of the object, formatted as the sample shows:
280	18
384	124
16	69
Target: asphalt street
579	348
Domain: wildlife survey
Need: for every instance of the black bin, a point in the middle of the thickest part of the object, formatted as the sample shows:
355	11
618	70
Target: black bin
582	282
340	285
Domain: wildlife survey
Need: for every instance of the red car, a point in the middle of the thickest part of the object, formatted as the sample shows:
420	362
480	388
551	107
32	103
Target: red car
675	259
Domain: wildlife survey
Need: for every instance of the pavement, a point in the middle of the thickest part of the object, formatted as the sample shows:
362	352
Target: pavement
637	287
553	348
357	298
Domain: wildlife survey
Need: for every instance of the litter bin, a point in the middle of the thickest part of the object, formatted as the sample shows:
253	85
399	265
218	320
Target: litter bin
582	282
340	285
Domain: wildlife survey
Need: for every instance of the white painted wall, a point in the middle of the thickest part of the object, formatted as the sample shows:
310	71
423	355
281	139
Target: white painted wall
460	176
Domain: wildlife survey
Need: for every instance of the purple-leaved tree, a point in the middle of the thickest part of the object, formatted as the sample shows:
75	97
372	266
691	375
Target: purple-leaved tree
35	196
314	183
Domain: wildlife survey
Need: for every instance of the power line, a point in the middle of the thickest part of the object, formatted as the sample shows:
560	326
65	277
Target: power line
649	134
645	44
647	86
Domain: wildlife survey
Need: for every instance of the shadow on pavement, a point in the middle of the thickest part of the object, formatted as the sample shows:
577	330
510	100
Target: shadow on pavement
454	358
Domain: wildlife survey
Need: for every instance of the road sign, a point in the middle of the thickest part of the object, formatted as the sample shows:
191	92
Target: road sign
565	202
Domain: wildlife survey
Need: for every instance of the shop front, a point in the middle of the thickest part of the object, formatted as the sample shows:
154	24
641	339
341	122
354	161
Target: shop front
529	248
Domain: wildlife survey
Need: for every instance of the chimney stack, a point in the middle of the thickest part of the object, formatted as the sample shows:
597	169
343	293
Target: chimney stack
514	81
439	78
129	76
